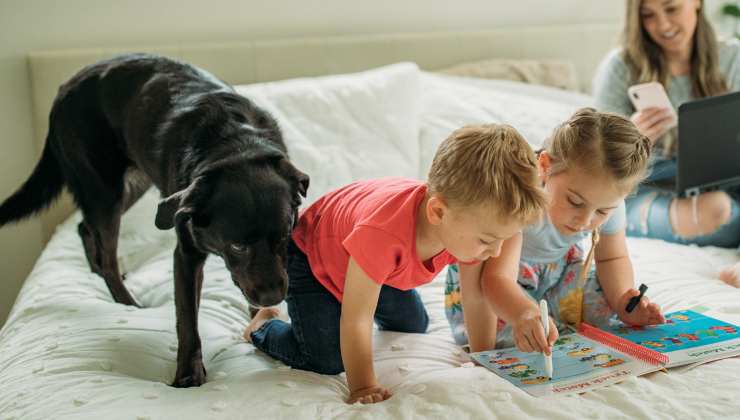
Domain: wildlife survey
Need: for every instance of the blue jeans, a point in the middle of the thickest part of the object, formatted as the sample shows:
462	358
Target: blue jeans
648	215
311	340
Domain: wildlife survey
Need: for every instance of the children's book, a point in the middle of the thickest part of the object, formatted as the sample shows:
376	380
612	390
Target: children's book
593	358
686	338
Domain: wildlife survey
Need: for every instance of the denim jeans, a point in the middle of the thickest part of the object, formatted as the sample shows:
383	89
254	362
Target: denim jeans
311	340
648	216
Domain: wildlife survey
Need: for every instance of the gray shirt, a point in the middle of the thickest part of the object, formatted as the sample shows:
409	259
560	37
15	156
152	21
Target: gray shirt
613	78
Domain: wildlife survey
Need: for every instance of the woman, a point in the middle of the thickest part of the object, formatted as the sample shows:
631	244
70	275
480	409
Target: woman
672	42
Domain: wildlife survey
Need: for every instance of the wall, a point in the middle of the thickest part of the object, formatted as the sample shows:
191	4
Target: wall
27	25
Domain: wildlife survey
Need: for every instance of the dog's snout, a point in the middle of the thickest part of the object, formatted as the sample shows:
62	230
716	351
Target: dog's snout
270	298
262	295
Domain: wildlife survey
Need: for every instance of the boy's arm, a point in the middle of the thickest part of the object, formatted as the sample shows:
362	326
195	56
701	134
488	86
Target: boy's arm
480	320
355	334
616	278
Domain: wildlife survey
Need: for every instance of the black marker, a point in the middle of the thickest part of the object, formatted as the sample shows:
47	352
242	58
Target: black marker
635	299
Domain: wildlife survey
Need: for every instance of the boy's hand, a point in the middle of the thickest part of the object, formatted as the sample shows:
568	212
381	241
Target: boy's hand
529	335
369	395
645	313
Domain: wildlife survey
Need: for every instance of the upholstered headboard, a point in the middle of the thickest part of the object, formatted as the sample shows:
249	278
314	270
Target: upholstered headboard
266	60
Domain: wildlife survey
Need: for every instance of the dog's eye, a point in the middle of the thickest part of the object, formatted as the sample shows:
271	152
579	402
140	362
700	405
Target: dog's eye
238	248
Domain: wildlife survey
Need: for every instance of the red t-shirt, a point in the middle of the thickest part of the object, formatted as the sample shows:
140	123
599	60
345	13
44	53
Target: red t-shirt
375	222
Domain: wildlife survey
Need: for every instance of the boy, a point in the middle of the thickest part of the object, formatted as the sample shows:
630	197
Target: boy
358	252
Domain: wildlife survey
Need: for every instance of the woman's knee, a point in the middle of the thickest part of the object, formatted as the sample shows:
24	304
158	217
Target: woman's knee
716	208
704	216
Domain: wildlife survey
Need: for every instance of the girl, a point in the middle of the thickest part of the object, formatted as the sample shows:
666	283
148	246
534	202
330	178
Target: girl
588	166
672	42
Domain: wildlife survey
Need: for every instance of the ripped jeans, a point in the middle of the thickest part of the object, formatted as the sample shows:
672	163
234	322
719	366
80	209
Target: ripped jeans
648	215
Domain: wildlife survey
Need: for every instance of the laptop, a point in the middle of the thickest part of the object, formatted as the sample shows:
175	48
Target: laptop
708	145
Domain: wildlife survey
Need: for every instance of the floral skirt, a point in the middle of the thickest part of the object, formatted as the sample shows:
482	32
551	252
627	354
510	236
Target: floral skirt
570	299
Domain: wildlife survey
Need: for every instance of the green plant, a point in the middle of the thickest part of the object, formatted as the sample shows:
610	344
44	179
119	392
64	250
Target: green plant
733	10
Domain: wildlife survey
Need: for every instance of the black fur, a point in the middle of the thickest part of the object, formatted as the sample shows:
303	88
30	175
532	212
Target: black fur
120	125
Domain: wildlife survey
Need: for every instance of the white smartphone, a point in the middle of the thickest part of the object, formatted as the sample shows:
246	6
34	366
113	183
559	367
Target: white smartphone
651	94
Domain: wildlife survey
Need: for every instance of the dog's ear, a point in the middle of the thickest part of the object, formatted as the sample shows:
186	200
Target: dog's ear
303	181
296	177
178	205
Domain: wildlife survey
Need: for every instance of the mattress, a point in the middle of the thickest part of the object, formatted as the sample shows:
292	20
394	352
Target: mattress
68	352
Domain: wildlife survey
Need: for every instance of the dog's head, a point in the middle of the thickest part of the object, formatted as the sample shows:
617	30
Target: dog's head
244	211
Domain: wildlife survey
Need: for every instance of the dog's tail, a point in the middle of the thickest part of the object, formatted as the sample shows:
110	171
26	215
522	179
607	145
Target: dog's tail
37	193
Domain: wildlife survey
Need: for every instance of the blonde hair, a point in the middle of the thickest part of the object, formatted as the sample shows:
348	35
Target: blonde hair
488	164
595	142
646	62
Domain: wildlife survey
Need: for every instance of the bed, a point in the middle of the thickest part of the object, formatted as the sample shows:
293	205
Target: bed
68	352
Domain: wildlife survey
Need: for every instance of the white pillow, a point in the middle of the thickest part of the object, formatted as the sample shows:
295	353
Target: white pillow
449	102
343	128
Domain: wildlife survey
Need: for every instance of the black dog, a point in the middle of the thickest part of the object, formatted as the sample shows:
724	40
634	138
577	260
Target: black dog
120	125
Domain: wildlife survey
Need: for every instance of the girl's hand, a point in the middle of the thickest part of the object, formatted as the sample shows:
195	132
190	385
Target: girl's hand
645	313
529	335
653	122
369	395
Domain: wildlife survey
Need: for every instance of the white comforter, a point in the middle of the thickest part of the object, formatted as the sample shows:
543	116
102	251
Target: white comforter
68	352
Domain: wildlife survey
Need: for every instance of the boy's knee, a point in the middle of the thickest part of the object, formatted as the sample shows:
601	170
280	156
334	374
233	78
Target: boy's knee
329	365
419	325
423	325
415	324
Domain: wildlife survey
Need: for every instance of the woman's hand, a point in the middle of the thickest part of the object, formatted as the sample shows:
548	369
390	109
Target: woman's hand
645	313
653	122
529	335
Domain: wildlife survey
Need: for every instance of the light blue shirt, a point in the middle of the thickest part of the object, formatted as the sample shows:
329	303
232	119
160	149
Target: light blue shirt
542	243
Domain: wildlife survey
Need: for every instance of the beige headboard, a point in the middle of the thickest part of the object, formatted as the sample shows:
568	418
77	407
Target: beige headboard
264	60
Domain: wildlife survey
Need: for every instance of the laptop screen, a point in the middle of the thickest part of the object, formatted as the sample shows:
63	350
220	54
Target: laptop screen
709	144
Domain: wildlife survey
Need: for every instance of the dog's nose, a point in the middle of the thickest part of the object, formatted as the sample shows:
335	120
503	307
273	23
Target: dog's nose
270	298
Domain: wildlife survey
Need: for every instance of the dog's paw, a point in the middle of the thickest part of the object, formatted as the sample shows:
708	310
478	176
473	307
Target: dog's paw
196	376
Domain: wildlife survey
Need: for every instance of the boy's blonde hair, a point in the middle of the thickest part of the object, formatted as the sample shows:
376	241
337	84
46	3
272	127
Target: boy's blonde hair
599	142
488	164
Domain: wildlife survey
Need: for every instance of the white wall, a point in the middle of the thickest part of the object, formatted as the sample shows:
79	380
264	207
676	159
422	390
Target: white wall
27	25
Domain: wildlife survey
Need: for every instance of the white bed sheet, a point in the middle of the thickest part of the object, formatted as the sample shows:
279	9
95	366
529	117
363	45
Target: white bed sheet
68	352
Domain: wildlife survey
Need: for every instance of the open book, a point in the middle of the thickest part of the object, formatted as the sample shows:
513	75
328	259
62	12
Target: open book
686	338
593	358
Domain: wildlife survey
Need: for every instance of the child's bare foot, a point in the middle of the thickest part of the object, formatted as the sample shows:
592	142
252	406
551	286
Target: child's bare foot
262	316
731	275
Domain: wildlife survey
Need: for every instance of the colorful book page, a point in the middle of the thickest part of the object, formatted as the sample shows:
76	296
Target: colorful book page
686	337
578	364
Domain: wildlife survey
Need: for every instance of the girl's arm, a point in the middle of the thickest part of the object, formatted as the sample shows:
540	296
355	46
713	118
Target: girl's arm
497	287
616	277
355	335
